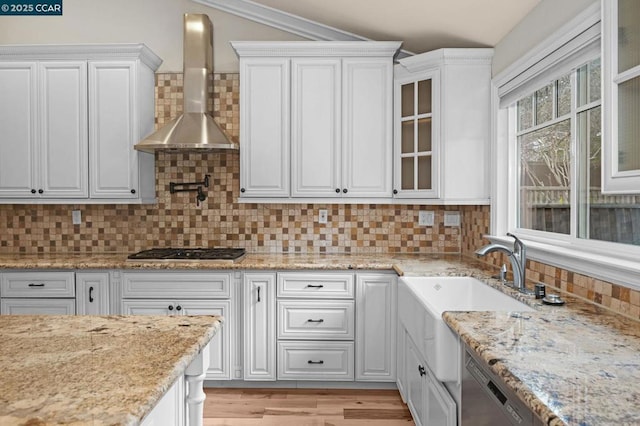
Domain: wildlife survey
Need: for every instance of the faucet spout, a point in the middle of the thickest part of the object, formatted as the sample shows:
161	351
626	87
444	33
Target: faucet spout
516	258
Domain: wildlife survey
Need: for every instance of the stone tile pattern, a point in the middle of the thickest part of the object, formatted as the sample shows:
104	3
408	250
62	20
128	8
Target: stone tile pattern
260	228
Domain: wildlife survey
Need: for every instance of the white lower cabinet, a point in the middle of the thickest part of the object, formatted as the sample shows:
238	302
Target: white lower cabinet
170	410
92	293
153	293
376	318
259	297
427	398
299	360
37	293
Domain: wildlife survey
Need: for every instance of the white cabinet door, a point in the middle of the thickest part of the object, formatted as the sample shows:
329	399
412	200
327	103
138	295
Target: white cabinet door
401	345
170	410
37	306
221	344
220	355
440	408
376	327
259	326
63	129
316	124
18	121
113	130
264	127
92	293
367	139
414	372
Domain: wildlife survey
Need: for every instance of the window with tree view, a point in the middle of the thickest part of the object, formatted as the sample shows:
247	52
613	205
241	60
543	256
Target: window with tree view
559	146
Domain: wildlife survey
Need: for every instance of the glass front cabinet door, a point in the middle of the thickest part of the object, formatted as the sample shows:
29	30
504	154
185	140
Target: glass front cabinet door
416	168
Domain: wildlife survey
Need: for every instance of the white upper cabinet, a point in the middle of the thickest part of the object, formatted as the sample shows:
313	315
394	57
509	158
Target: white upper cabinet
331	139
264	127
621	101
72	115
442	126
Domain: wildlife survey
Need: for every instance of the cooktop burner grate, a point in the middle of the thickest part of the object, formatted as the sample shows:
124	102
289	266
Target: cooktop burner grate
228	254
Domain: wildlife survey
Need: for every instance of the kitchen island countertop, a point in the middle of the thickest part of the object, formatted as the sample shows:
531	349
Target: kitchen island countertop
109	370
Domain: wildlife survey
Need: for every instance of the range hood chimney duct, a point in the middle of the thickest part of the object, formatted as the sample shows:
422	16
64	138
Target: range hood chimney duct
195	129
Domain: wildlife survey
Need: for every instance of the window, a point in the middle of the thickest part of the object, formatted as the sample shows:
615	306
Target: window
550	149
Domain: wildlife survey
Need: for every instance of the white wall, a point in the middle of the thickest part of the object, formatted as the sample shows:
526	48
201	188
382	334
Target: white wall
541	22
156	23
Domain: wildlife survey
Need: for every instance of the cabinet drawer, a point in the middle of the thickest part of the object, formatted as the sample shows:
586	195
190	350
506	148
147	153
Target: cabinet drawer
306	320
30	306
184	285
316	285
38	284
315	361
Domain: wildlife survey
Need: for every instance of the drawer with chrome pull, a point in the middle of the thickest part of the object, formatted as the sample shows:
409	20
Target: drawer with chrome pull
315	361
316	319
37	284
315	285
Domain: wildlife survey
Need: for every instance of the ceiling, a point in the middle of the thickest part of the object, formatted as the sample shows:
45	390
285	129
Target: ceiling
423	25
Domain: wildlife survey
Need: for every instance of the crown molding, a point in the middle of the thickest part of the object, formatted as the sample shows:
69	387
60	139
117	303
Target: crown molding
286	21
316	48
81	52
448	56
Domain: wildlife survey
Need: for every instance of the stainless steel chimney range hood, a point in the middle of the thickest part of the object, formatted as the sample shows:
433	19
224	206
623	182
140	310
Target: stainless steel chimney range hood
195	129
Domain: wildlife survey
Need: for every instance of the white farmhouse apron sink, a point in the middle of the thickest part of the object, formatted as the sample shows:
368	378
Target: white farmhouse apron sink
421	302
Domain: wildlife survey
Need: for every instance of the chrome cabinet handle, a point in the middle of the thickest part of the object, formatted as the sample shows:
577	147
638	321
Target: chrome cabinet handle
315	362
91	294
36	285
318	320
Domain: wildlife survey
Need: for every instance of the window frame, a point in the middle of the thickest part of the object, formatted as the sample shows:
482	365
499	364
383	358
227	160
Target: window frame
614	181
613	262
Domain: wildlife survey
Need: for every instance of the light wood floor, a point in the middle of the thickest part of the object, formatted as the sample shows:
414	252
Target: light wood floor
305	407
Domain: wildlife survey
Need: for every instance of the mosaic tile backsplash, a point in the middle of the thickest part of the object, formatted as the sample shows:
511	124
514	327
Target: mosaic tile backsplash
268	228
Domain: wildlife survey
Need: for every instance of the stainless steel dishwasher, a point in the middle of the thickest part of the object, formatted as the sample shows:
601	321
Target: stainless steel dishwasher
486	400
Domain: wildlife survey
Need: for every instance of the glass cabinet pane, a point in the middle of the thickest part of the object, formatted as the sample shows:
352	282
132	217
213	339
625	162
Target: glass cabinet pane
628	34
407	99
407	144
424	97
424	172
424	134
407	173
629	125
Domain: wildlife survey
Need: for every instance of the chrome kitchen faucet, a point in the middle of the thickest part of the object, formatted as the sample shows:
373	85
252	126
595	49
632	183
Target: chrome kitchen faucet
517	257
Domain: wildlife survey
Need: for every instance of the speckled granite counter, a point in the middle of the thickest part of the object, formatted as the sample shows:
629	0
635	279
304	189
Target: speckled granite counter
93	370
575	364
411	264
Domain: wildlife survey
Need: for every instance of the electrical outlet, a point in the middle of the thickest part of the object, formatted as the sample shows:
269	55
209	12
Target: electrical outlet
425	218
451	218
322	216
76	217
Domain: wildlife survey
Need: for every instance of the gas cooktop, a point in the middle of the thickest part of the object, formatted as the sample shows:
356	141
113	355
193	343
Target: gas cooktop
207	254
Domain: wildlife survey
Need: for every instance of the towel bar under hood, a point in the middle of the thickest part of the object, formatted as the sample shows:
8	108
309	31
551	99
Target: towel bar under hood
195	129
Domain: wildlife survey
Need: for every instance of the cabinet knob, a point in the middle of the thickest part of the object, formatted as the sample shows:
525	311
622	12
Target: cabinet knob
33	191
337	190
40	191
133	191
421	370
242	190
170	307
178	308
345	190
395	191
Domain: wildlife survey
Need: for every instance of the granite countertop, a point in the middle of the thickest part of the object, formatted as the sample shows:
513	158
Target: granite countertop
576	364
414	264
108	370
